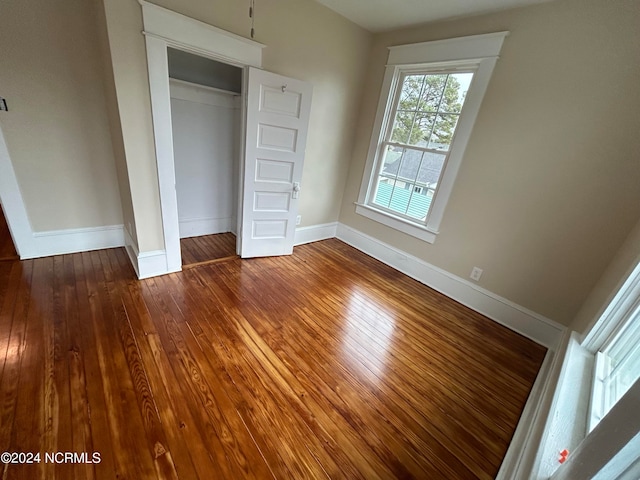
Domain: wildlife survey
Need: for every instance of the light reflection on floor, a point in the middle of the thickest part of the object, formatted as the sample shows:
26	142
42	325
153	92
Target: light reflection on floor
368	335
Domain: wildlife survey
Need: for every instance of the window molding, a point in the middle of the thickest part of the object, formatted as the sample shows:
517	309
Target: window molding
621	311
620	307
396	222
478	51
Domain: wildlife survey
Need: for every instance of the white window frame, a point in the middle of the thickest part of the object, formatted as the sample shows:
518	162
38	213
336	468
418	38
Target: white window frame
477	52
619	313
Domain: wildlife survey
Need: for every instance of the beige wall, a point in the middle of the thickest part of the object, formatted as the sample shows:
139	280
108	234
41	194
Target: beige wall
609	283
307	41
304	40
548	189
115	126
56	130
131	83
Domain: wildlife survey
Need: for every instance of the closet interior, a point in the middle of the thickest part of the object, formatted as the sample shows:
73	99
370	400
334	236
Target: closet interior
206	121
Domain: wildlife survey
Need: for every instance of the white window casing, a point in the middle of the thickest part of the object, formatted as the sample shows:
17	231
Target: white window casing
615	340
477	53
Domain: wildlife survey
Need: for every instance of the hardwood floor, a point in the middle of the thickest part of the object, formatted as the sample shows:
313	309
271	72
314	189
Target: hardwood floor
323	364
7	249
201	250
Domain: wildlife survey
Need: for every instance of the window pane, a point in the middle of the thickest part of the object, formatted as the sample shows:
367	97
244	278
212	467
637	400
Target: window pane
428	109
403	126
432	92
456	92
411	88
442	135
413	128
624	354
408	180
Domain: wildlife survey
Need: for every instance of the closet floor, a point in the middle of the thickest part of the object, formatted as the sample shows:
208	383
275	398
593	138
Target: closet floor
201	250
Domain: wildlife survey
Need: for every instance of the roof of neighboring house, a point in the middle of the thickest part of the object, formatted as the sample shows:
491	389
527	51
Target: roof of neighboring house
409	162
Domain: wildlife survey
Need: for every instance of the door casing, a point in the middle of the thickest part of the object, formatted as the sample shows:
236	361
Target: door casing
164	28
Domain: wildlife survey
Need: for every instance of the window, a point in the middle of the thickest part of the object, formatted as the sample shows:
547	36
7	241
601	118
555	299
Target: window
430	98
617	365
417	142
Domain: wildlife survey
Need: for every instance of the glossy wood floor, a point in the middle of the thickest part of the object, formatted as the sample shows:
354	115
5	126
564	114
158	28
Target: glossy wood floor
199	250
323	364
7	250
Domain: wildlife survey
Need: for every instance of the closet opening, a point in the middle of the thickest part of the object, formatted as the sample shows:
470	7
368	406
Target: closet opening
206	118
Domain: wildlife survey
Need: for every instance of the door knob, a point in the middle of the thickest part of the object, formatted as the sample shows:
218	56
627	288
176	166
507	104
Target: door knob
296	189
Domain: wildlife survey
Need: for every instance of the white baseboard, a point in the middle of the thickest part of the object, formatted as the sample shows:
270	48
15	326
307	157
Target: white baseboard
153	264
196	227
60	242
540	329
146	264
315	233
132	252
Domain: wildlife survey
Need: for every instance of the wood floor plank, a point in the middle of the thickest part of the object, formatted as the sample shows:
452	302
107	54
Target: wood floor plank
90	429
340	382
151	431
156	368
479	453
255	408
240	450
127	431
207	452
335	426
207	247
10	274
322	364
452	345
57	407
28	422
452	460
75	309
14	353
154	433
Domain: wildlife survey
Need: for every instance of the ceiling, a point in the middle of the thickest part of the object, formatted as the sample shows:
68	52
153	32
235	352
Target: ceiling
380	15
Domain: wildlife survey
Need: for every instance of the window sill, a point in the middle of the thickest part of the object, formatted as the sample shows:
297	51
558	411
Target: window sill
566	424
396	223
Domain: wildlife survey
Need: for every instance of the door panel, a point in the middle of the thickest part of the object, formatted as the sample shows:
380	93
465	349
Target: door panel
277	123
271	137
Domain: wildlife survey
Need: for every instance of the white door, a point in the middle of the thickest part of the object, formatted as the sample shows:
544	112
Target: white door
276	133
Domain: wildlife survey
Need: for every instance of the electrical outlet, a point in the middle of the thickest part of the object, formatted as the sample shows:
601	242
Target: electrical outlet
298	219
476	273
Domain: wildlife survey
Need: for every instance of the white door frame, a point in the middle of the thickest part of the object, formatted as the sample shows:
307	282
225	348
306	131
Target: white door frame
164	28
13	205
